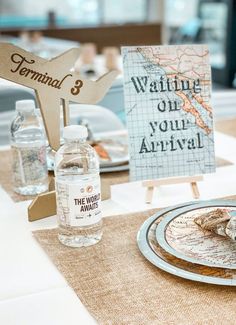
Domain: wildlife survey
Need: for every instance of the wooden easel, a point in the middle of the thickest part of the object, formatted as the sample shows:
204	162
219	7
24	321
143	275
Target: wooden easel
54	81
151	184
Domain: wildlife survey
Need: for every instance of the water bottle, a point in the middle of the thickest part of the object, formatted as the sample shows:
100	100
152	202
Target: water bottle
28	146
78	194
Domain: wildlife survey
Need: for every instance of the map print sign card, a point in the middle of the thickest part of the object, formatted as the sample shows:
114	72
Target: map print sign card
169	116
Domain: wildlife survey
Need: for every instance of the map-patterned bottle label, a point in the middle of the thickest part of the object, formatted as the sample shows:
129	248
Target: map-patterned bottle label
79	203
29	164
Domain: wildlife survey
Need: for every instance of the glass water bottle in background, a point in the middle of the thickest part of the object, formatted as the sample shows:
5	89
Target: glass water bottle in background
78	190
28	145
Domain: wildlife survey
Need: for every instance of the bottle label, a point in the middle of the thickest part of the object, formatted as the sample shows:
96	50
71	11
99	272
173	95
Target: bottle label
79	204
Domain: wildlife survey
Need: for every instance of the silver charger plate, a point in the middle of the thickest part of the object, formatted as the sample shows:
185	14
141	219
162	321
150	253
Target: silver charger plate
181	237
103	169
118	168
160	258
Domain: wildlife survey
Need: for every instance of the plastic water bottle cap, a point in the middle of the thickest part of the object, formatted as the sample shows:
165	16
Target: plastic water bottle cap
25	106
74	132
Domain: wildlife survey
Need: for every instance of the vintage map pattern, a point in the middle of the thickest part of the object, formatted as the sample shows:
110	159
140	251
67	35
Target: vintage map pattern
186	237
204	271
169	116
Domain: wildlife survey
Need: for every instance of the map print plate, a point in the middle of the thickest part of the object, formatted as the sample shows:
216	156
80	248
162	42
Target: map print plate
154	253
180	236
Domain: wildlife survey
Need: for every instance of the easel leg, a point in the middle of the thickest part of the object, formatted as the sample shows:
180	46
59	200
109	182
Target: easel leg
195	190
149	194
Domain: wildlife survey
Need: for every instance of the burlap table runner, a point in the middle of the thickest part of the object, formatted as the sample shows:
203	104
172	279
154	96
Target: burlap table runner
119	286
226	126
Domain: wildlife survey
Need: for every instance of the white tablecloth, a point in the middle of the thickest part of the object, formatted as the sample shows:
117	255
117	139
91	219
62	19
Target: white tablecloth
32	291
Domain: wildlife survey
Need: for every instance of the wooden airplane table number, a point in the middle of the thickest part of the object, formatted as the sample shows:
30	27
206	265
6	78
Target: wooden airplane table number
53	81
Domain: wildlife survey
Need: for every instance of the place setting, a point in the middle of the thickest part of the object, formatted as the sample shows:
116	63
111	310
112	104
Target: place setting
173	241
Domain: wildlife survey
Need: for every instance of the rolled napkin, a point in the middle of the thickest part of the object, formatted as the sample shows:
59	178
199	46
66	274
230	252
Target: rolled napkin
220	221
